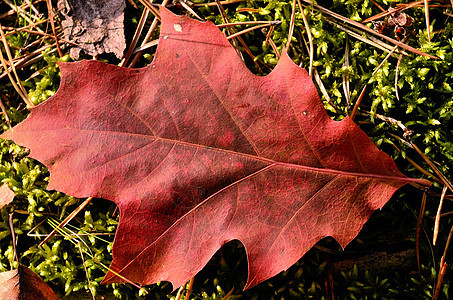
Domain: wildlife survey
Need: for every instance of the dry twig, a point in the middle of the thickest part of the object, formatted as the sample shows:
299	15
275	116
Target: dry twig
137	34
310	38
439	209
66	221
18	86
369	30
417	234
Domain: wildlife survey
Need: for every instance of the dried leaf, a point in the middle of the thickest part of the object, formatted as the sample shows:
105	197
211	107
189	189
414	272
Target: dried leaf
197	151
23	283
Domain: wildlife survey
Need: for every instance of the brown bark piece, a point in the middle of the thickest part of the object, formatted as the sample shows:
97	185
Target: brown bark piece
96	25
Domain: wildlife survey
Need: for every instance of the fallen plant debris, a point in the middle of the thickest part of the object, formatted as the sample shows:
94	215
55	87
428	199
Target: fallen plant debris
6	195
96	26
407	100
22	283
196	160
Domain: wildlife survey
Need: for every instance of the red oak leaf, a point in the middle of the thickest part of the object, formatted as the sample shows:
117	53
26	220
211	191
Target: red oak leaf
23	283
197	151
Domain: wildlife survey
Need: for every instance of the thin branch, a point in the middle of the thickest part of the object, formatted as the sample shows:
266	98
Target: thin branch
400	58
52	24
310	38
239	38
385	13
291	24
137	33
189	9
440	278
273	46
439	209
384	60
357	103
270	23
5	113
345	78
377	5
221	2
13	236
433	167
231	30
365	28
417	166
227	296
179	293
17	86
189	288
66	221
151	8
428	27
417	236
86	271
447	244
144	47
31	58
22	12
237	34
323	89
24	27
148	36
354	32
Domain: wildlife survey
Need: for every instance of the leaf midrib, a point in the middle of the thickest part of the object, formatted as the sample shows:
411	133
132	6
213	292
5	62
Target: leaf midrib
253	157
